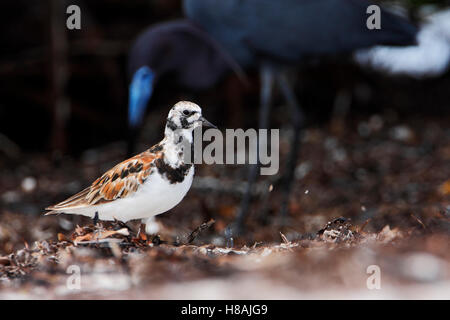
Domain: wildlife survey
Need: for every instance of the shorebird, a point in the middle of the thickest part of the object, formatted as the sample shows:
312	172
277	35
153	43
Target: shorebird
147	184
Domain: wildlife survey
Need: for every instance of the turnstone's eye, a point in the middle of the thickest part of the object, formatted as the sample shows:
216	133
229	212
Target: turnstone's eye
186	112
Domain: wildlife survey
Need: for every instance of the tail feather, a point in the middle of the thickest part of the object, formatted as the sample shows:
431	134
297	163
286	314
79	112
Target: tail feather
50	213
77	200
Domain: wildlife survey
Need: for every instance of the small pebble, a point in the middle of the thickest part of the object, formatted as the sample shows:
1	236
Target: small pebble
28	184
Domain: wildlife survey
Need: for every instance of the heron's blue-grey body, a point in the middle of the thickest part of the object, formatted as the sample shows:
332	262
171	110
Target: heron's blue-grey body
289	30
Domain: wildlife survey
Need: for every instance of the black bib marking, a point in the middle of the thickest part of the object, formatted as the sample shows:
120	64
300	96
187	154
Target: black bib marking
174	175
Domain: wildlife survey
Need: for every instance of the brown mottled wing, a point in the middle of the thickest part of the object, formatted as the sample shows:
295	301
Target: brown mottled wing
118	182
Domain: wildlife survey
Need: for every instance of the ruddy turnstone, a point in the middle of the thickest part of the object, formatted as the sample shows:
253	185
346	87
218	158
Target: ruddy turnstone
147	184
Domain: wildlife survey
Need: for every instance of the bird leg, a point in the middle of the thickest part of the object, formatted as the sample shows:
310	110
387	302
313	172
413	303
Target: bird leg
156	240
229	237
97	227
141	232
267	81
95	219
298	123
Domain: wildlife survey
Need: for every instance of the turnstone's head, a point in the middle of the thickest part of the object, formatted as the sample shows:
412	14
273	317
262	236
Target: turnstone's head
186	115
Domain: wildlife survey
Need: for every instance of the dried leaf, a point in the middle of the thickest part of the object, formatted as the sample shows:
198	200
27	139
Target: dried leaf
100	235
283	237
445	188
62	237
4	261
387	234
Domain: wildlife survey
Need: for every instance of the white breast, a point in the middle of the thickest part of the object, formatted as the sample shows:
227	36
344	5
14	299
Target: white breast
157	195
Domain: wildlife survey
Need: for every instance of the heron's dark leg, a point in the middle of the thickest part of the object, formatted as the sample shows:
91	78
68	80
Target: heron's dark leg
95	219
341	107
267	81
298	122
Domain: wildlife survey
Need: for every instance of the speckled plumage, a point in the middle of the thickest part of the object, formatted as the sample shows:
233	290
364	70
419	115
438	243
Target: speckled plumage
147	184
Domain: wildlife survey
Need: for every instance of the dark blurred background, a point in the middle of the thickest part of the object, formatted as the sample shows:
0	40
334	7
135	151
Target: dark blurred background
90	64
67	90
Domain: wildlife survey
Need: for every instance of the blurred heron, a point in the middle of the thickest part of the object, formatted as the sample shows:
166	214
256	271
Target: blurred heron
274	36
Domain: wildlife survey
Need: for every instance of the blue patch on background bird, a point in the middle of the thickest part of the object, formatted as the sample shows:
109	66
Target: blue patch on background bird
140	91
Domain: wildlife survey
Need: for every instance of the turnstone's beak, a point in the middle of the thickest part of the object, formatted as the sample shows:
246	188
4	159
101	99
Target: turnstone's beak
206	123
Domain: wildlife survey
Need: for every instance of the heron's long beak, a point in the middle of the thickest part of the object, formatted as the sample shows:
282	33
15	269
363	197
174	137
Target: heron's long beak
141	89
206	123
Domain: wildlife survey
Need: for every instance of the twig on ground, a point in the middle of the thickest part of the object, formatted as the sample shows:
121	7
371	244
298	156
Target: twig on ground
199	229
